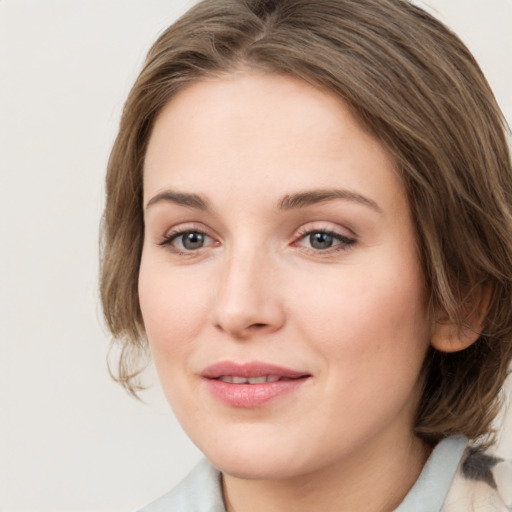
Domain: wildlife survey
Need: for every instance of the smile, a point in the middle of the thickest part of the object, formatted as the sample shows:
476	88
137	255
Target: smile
249	380
251	385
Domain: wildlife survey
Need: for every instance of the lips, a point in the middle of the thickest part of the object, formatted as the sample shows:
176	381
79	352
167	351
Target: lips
252	384
249	370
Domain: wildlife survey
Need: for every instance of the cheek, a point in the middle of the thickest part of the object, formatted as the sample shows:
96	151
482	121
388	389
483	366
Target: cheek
372	333
173	309
367	313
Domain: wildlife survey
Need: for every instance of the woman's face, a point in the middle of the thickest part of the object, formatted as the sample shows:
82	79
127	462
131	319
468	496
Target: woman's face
280	282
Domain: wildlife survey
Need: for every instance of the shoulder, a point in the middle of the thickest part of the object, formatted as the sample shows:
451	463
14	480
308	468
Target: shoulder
483	483
200	491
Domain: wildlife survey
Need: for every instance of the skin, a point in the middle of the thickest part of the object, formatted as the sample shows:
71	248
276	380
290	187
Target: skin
256	288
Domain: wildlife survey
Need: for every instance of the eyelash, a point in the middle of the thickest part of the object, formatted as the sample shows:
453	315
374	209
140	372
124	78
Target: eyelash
344	242
168	240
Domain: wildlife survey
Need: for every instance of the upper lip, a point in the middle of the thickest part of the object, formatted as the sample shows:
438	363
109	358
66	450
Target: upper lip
250	369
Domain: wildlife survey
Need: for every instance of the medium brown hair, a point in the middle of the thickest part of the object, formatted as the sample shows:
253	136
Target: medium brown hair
418	89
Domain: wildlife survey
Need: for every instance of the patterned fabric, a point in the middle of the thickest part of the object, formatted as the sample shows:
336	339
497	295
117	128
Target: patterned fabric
483	483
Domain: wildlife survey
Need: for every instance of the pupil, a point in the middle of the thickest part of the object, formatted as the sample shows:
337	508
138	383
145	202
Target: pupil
193	241
320	240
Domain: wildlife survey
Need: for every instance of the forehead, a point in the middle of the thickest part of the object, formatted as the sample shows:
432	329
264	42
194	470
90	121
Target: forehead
258	133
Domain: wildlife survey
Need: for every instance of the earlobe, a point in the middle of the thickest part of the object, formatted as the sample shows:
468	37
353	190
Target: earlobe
448	336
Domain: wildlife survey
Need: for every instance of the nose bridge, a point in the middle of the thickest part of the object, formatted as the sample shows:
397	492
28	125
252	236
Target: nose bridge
247	300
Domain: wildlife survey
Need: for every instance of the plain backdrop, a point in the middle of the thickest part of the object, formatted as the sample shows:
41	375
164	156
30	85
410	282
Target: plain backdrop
71	440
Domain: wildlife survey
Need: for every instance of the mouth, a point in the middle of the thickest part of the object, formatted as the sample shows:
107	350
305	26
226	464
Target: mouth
233	379
243	373
251	385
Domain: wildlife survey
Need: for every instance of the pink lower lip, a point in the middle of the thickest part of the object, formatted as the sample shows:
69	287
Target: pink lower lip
249	396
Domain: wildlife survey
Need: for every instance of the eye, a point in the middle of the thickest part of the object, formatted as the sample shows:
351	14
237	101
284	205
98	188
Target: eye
320	240
187	241
325	240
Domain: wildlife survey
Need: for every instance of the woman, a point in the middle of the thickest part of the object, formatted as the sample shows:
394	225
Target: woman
308	223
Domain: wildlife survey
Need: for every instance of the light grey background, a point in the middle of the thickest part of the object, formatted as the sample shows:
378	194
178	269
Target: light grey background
70	439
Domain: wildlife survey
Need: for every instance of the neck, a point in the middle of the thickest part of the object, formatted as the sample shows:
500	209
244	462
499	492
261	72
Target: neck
387	470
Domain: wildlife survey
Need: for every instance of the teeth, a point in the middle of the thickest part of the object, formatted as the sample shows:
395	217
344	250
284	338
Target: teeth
257	380
233	379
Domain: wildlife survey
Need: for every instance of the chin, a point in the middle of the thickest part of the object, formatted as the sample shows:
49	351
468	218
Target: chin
259	460
261	468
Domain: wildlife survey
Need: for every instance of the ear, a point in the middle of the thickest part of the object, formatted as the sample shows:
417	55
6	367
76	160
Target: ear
448	336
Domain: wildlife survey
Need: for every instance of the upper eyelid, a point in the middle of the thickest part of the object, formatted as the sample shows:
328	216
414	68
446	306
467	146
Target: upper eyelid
174	235
331	232
186	227
339	236
169	239
306	228
171	234
328	227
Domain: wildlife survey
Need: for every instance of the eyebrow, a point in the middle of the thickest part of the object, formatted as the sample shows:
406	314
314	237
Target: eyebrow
311	197
289	201
180	198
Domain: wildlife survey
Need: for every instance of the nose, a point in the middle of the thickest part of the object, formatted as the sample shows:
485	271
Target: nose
248	297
